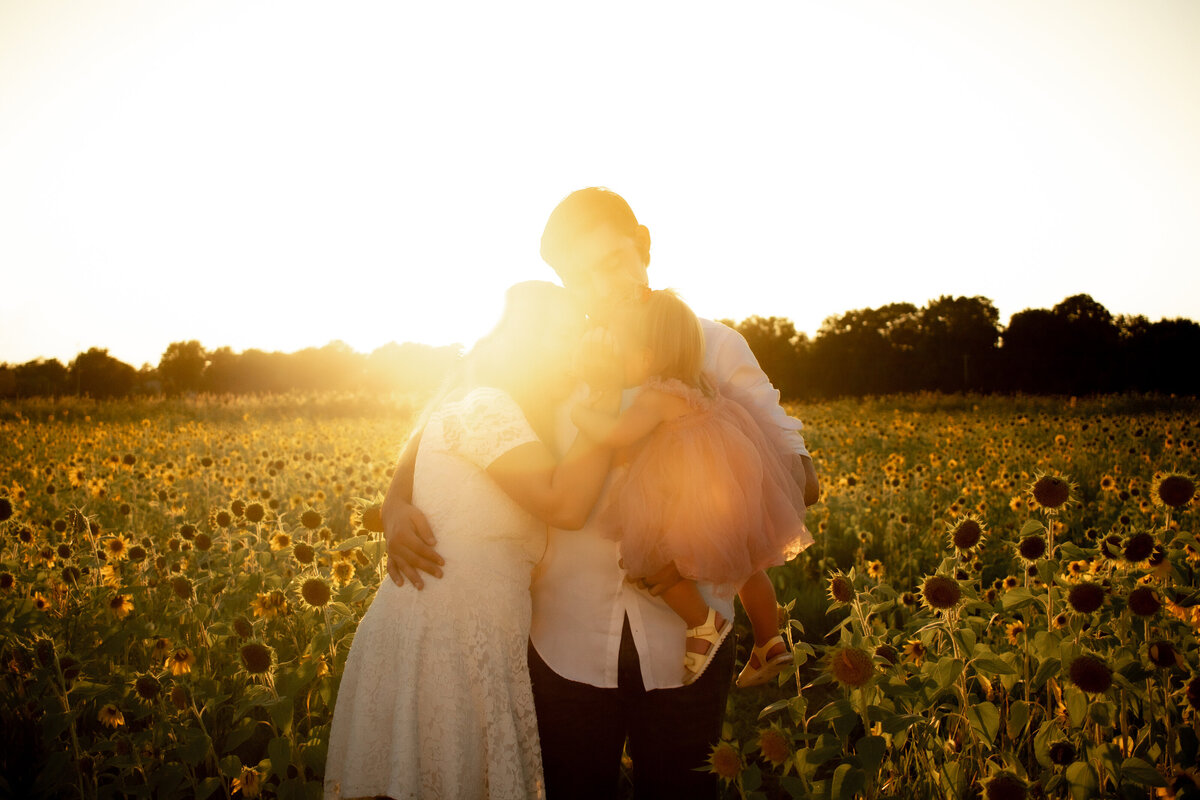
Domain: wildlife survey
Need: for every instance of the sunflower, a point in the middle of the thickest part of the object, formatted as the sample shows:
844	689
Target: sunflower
1032	547
343	571
110	716
1162	654
258	660
841	590
1078	568
1192	693
315	593
180	662
116	547
1138	547
875	570
1062	753
725	762
1015	631
1144	602
179	697
160	648
1086	597
1091	674
120	605
280	540
1052	492
249	783
372	519
852	667
269	604
941	593
967	534
243	627
182	588
1004	786
303	553
1174	489
774	745
255	513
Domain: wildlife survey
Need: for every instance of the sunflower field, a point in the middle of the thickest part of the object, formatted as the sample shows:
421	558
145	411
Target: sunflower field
1002	600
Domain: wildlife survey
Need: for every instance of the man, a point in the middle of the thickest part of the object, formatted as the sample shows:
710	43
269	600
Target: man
605	654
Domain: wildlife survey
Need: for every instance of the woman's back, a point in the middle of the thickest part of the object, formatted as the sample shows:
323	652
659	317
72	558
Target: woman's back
478	526
435	699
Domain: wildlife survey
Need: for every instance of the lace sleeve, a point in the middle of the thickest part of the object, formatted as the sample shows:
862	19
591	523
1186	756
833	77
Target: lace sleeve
489	424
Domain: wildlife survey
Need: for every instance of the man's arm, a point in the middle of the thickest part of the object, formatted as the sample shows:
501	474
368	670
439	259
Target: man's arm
736	369
410	541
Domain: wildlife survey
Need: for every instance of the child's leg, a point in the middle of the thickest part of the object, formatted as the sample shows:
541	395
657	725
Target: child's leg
758	598
686	601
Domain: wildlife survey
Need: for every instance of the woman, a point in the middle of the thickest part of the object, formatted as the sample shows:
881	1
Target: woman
435	699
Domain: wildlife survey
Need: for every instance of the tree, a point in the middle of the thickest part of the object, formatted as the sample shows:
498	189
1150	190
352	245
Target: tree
1158	356
777	346
957	343
99	375
42	378
1086	342
181	367
866	351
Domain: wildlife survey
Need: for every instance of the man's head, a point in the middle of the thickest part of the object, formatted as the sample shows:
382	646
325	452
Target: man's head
595	244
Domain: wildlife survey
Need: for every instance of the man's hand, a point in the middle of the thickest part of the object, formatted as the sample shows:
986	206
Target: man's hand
657	583
805	476
410	544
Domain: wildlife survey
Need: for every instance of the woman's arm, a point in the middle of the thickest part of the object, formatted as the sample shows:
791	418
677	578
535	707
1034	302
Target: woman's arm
642	416
559	493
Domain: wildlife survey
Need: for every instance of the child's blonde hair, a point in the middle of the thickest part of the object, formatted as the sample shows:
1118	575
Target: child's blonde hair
665	325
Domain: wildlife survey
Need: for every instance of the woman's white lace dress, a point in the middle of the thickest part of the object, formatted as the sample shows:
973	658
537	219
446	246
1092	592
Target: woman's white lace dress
435	700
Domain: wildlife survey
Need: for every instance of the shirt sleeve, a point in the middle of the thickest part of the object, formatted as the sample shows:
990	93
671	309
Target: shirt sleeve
490	424
732	364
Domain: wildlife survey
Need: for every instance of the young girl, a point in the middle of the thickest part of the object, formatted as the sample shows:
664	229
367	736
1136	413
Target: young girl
702	487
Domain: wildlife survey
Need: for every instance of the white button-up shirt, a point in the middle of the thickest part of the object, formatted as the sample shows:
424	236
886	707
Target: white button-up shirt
580	596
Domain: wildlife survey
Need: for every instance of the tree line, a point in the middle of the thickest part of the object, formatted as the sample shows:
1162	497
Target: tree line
186	367
956	344
952	344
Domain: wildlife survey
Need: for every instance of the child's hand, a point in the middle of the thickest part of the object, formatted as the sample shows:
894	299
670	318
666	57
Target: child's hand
657	583
598	360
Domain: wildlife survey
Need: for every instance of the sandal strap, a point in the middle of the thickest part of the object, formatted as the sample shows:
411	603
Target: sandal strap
706	630
762	651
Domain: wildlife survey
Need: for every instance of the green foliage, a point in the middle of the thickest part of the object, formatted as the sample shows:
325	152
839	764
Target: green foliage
979	694
1011	688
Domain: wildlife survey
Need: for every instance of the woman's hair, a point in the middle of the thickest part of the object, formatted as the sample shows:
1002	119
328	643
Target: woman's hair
539	323
583	211
513	356
664	324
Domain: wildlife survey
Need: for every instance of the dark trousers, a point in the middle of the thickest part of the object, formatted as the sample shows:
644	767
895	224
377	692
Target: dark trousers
670	731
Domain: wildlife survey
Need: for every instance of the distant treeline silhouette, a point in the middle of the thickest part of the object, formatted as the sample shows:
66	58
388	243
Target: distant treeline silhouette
952	344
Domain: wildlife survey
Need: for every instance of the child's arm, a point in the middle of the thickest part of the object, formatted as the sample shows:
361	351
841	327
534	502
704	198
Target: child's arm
635	423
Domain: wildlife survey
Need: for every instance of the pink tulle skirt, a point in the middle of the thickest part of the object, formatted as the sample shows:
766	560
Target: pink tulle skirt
709	492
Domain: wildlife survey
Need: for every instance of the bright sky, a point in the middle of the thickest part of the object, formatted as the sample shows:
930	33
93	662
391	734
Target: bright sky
282	174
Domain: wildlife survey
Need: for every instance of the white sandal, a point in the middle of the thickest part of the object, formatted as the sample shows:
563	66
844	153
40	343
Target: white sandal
694	664
767	667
